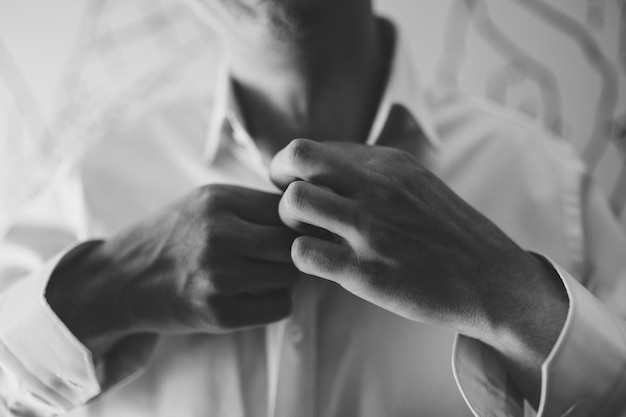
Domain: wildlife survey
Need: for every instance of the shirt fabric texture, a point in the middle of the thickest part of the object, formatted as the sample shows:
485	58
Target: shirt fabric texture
337	355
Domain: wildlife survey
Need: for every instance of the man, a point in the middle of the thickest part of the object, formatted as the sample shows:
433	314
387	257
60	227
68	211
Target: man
159	262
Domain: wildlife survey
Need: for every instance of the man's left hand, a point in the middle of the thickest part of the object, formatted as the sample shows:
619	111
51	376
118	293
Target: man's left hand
394	234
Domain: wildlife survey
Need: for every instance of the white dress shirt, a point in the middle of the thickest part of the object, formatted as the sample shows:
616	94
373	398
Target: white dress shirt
337	355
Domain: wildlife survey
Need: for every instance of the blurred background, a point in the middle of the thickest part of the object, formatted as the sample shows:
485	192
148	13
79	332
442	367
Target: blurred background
69	69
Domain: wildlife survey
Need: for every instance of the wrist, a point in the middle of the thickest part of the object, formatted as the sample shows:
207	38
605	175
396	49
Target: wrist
535	312
76	294
530	319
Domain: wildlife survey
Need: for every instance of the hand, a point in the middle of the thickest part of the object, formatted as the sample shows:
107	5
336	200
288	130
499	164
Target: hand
216	261
404	241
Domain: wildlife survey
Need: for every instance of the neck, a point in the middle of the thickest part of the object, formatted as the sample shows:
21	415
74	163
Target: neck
313	72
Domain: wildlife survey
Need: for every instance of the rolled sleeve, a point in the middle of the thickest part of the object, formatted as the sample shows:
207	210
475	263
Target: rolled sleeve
38	349
584	375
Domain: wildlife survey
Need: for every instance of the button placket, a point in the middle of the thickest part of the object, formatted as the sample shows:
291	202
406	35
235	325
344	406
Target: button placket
297	379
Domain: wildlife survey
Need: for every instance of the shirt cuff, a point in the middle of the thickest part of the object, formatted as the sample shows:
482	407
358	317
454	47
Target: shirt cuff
39	349
44	355
584	375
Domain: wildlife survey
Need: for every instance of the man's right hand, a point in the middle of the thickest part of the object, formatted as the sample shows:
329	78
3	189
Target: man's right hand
216	261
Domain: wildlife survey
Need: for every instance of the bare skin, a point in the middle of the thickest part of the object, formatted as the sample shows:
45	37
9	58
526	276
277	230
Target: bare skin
302	68
216	261
401	239
188	268
315	68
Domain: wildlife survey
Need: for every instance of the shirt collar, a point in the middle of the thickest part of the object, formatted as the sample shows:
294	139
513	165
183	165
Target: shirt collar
403	88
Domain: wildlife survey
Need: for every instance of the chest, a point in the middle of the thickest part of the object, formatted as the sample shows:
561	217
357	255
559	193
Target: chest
336	355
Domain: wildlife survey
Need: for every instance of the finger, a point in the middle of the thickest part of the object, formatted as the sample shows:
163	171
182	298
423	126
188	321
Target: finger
264	242
252	310
321	258
249	204
309	230
259	277
314	162
308	203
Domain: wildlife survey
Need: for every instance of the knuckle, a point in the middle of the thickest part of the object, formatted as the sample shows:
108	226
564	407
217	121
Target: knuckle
216	255
212	197
300	251
397	157
196	289
299	150
219	284
304	256
221	232
214	236
295	195
206	190
191	296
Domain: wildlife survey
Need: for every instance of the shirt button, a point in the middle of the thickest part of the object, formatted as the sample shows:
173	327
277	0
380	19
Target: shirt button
296	334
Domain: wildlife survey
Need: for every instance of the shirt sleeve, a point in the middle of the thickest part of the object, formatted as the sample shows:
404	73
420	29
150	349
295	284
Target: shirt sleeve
44	369
38	353
585	373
